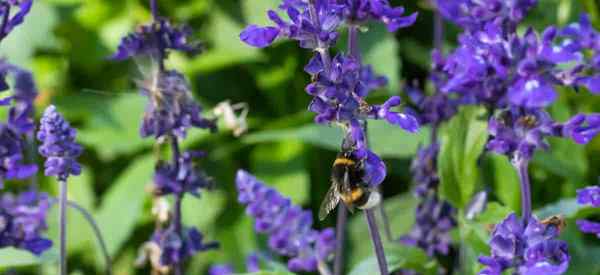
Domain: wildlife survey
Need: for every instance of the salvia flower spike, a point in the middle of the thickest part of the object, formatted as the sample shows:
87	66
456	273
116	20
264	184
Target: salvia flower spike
288	227
589	196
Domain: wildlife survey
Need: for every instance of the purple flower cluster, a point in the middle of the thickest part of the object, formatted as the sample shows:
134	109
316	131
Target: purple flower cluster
180	178
9	18
340	84
518	132
589	196
252	265
171	109
314	25
22	221
288	226
11	156
530	249
155	39
58	145
21	113
434	217
175	249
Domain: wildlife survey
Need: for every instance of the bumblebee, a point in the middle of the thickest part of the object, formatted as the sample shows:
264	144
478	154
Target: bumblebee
347	185
557	220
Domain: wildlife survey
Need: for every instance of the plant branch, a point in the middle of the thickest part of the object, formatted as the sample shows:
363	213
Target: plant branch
376	238
177	226
62	220
521	167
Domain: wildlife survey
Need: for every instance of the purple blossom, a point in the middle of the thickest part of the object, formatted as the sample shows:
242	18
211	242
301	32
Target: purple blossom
223	269
9	19
21	113
23	220
154	40
434	221
288	226
175	249
58	145
181	177
526	249
11	156
581	128
361	11
589	227
171	108
589	196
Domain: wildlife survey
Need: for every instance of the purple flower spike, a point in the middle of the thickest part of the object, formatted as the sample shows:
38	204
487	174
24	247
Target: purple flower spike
288	226
21	113
154	40
58	145
23	220
174	249
170	180
527	249
171	109
259	37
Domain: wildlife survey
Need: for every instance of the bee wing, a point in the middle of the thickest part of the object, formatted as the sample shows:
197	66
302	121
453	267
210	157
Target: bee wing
331	200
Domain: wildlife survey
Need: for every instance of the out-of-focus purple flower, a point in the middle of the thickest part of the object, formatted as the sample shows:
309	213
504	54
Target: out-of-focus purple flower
288	226
526	249
472	14
223	269
21	113
424	170
10	19
252	263
11	156
171	108
23	220
589	227
518	132
58	145
589	195
179	178
434	221
174	249
582	128
154	40
361	11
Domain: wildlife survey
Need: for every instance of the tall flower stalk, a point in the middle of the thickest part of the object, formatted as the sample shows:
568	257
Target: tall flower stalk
170	112
61	151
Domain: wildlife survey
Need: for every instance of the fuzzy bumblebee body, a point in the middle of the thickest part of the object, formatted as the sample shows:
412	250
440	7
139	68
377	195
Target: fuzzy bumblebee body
347	185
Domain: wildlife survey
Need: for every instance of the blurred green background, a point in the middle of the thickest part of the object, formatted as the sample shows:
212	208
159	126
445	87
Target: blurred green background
66	43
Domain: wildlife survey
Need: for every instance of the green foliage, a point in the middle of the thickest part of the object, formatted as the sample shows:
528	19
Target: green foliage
399	257
462	142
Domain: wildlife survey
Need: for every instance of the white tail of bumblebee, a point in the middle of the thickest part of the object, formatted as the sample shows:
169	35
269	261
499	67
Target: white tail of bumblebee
373	201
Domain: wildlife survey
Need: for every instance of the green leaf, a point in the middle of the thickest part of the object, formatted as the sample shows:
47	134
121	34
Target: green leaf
122	205
11	258
114	132
386	140
506	182
282	165
211	203
398	257
463	140
268	273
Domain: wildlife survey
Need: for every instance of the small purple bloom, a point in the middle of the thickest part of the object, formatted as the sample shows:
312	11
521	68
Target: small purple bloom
222	269
154	40
21	114
259	37
581	128
174	249
181	177
589	227
527	249
589	195
532	93
23	220
171	109
288	226
58	145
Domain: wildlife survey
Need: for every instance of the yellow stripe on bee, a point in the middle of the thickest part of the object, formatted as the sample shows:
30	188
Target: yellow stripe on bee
352	196
343	161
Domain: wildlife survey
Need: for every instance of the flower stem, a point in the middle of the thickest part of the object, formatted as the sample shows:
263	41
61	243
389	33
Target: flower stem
340	228
377	245
353	41
97	232
521	167
62	220
178	268
438	31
